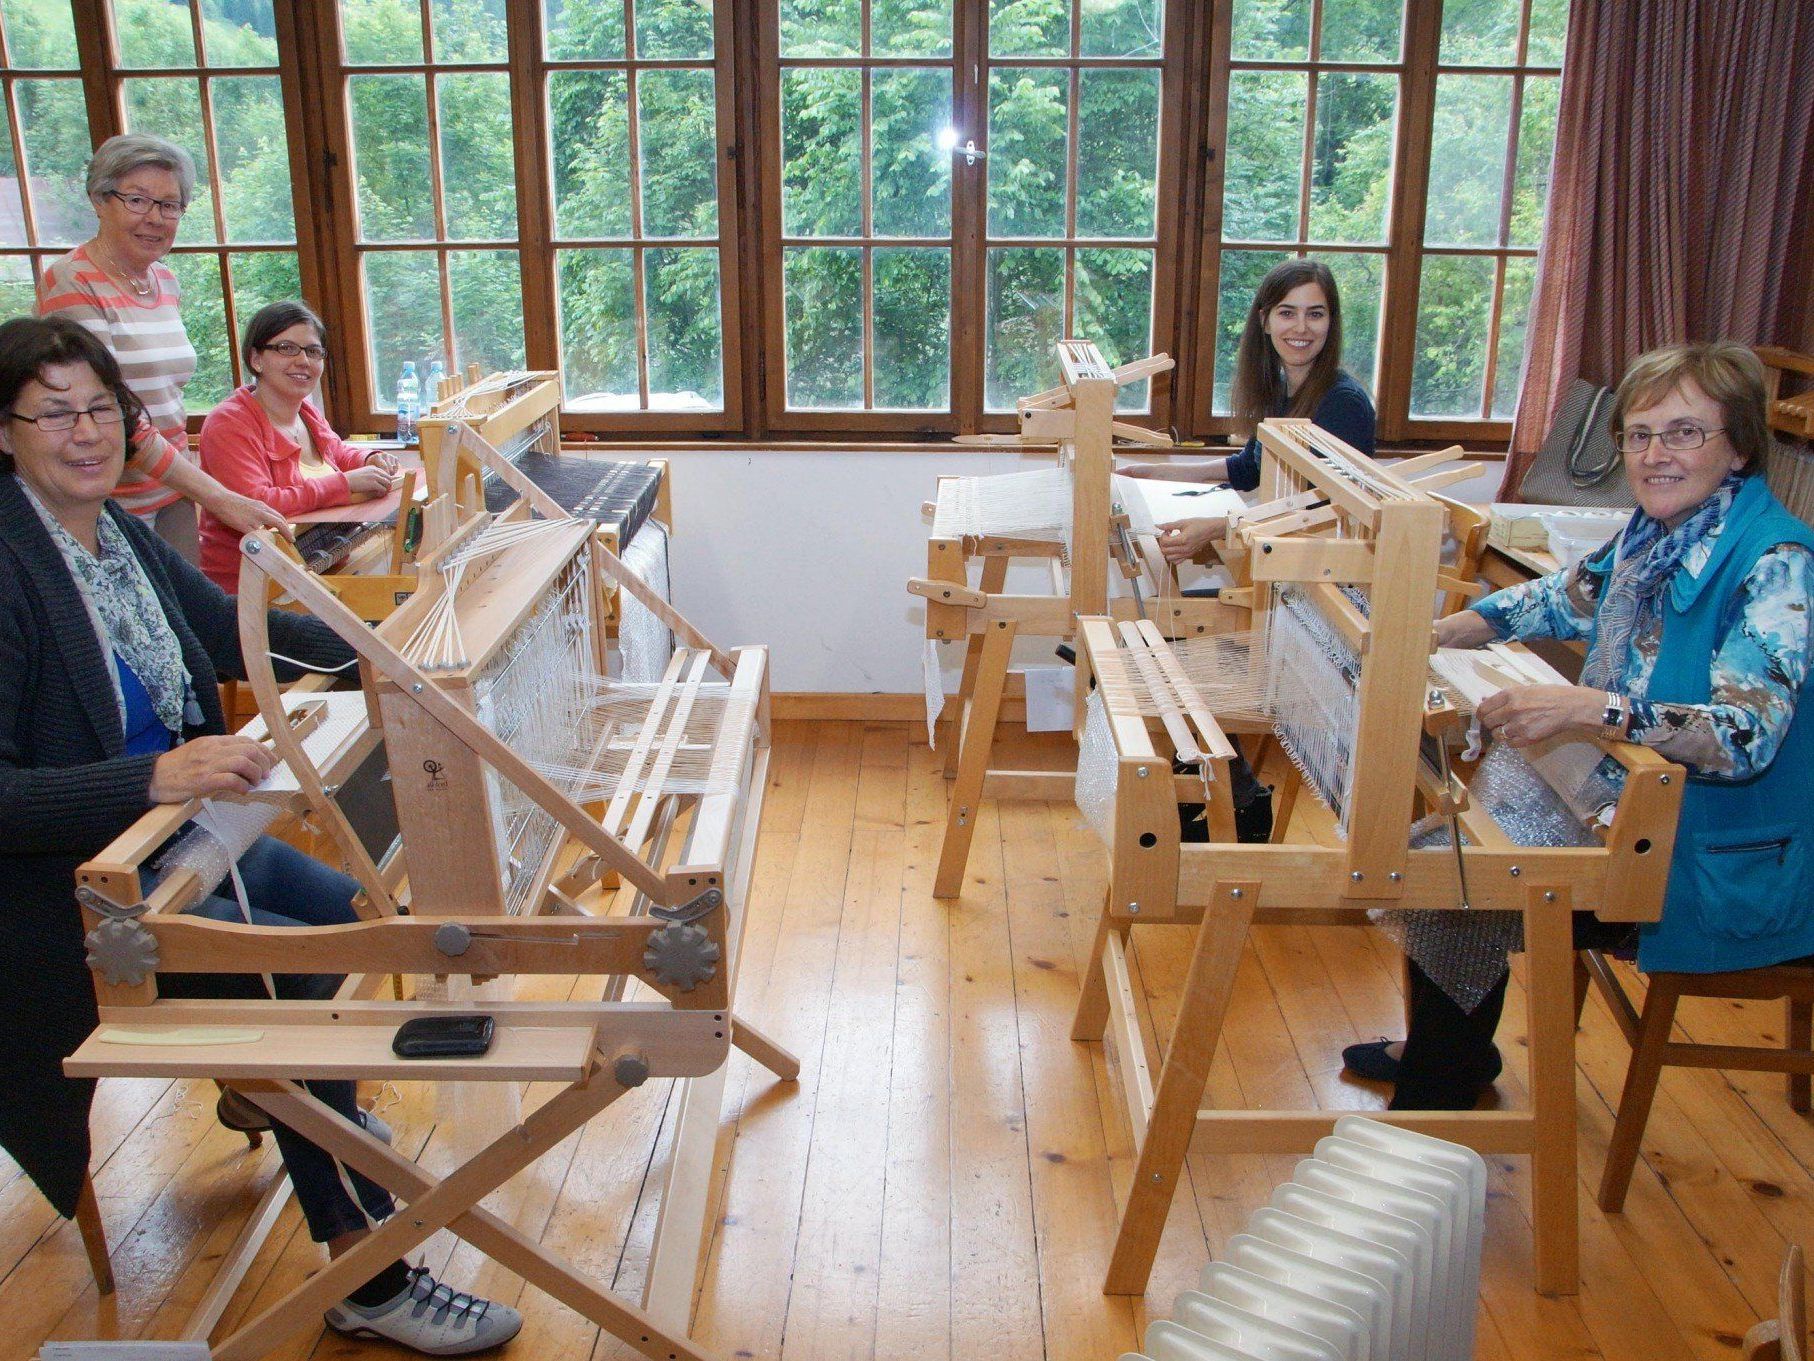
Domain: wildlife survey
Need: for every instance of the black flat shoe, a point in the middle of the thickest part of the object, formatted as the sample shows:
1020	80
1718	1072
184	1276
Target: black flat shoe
1371	1062
240	1115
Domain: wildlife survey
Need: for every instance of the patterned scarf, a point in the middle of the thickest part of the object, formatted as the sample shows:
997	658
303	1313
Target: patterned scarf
1648	555
130	612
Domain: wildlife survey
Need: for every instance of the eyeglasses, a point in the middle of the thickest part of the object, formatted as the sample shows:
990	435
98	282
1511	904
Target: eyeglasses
139	205
289	349
1676	437
107	413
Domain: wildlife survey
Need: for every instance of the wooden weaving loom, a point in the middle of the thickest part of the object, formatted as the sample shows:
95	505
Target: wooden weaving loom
1334	519
1079	418
506	832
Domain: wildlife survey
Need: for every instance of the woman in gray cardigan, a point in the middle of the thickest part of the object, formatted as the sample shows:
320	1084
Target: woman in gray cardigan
111	646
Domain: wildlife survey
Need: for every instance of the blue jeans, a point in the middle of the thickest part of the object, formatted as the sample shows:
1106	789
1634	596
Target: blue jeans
284	887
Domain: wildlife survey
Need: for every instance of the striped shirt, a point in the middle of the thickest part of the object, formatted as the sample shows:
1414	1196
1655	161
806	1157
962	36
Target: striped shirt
156	359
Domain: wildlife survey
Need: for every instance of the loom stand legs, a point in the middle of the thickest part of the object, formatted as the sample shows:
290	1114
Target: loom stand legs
977	742
995	578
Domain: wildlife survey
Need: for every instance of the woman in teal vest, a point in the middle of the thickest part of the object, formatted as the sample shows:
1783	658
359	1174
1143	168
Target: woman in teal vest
1696	619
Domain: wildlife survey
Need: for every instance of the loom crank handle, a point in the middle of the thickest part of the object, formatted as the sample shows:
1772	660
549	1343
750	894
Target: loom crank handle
1461	865
691	911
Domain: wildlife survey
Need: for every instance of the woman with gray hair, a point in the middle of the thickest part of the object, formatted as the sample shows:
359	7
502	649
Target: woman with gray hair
117	286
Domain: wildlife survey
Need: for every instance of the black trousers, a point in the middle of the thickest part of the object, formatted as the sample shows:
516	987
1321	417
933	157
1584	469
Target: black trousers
1449	1052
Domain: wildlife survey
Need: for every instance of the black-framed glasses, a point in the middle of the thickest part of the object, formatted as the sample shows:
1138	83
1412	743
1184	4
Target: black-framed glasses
1676	437
107	413
289	349
141	204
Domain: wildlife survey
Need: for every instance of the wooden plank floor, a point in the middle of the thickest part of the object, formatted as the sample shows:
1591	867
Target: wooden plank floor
942	1182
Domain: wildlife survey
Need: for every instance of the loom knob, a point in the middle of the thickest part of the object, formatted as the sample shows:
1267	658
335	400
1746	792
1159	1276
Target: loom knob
453	939
632	1070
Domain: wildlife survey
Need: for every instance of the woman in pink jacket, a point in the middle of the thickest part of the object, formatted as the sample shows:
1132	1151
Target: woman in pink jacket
270	442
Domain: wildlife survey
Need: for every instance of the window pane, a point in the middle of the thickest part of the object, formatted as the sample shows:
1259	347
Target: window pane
679	153
1272	30
598	329
824	289
1361	281
487	293
1362	30
910	28
12	208
254	159
1536	152
390	157
1117	153
154	33
578	29
478	173
53	124
239	32
674	28
469	30
1026	319
1122	28
381	32
172	107
911	174
402	316
1242	271
1114	308
1514	316
260	277
1467	160
912	329
589	131
1265	155
42	36
1027	143
1549	26
686	348
1448	371
821	28
821	153
205	319
1351	176
18	296
1481	33
1029	28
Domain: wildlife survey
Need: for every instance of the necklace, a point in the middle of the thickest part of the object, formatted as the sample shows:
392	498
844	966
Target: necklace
142	287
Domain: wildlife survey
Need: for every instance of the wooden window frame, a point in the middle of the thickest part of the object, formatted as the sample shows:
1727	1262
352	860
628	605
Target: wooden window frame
1418	67
36	254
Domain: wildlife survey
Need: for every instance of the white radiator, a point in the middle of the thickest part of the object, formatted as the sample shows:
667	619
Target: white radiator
1370	1253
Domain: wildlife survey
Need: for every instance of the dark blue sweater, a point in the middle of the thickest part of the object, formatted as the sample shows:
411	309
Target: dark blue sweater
1345	412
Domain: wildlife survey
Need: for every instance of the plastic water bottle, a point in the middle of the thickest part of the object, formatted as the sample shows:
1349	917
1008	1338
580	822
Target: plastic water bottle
409	402
437	371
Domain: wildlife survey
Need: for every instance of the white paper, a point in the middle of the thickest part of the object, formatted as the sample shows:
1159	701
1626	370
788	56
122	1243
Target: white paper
1168	501
125	1351
1050	698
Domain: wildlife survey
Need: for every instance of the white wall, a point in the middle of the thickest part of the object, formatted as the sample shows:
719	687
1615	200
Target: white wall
810	552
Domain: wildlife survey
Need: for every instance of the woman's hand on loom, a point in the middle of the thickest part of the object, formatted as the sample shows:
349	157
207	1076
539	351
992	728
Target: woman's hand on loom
370	481
1183	540
1464	628
1532	713
243	514
382	458
209	766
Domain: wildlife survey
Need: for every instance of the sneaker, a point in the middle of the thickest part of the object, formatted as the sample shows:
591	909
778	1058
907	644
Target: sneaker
374	1126
431	1318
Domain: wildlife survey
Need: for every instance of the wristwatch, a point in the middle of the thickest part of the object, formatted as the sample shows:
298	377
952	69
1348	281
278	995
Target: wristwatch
1612	720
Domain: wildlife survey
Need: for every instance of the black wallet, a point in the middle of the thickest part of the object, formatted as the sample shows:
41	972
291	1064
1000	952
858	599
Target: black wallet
443	1037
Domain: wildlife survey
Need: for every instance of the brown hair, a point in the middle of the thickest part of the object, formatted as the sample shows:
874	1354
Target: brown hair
1259	386
1723	369
271	321
29	345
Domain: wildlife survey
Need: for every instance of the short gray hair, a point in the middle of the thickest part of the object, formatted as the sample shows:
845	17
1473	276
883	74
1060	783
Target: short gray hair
119	156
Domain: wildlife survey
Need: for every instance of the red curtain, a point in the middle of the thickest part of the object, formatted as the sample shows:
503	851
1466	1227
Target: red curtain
1681	203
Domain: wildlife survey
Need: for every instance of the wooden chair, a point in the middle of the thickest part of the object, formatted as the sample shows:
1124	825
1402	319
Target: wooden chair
1780	1338
1651	1047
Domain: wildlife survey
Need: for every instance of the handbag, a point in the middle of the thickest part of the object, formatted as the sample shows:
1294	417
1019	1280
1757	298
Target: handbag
1579	463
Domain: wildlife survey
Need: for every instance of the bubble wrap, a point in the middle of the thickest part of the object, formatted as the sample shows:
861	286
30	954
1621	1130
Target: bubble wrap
1464	953
220	833
1097	770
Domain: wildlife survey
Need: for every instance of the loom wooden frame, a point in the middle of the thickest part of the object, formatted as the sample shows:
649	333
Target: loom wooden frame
599	1049
1222	888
